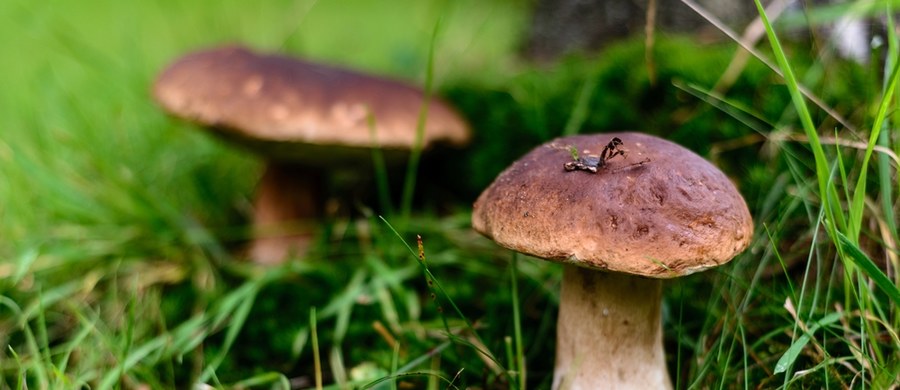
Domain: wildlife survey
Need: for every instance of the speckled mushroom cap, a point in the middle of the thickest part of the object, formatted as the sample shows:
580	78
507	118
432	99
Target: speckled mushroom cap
287	107
673	215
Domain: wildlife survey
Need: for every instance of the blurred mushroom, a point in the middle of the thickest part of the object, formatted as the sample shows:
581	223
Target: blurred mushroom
660	212
305	119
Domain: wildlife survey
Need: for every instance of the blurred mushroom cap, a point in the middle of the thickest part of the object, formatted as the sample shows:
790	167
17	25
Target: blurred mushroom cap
662	211
285	107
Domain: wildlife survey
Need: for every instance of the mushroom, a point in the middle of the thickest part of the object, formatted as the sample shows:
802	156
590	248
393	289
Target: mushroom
303	119
659	212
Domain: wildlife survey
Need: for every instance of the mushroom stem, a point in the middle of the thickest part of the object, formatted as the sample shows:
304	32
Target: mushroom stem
287	199
609	333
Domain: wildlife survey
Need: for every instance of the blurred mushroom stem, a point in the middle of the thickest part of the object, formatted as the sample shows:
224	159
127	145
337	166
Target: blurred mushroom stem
609	332
288	201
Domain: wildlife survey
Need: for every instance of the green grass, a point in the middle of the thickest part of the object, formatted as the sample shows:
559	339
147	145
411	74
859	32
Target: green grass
121	228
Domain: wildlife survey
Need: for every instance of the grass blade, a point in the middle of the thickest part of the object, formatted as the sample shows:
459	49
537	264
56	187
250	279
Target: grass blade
268	378
799	103
238	318
859	195
134	357
884	172
438	291
23	264
580	108
380	167
868	267
794	350
317	362
412	168
519	363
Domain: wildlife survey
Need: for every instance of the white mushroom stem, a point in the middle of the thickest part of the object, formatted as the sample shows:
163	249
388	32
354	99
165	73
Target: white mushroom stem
287	200
609	332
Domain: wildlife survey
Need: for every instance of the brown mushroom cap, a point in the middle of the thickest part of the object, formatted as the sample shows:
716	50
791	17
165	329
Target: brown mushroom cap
673	215
288	107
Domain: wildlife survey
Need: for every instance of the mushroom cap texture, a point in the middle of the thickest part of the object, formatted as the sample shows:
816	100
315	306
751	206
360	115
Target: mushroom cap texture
283	104
672	215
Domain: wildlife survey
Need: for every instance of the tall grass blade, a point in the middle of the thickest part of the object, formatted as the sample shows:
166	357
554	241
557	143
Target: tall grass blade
317	362
344	310
581	106
395	362
519	364
511	372
799	103
381	176
885	182
412	168
868	267
859	194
